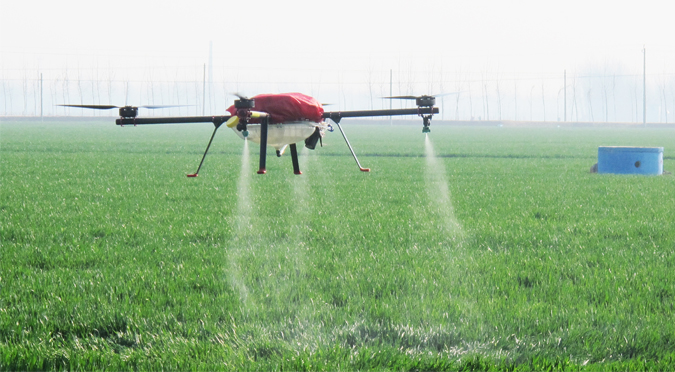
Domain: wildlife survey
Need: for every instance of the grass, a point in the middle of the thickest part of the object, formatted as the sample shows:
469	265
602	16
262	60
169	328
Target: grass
501	252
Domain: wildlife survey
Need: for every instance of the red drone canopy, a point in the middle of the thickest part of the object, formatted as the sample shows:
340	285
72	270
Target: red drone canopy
287	107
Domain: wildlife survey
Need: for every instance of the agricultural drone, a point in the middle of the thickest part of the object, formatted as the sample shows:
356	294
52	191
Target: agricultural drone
277	120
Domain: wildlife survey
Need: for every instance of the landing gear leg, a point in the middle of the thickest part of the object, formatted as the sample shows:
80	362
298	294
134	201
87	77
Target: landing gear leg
264	122
217	123
294	156
350	146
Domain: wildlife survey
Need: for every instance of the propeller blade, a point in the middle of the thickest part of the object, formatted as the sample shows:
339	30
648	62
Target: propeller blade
108	107
445	94
240	96
416	97
161	107
95	107
401	97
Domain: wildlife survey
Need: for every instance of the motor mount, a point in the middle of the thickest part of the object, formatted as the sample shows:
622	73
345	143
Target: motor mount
128	112
244	103
425	101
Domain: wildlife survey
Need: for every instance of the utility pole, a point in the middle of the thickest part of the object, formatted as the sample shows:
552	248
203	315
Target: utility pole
644	86
565	100
204	92
391	101
41	101
210	81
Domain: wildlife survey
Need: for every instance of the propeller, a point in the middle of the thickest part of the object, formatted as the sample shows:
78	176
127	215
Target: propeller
243	102
424	100
240	96
108	107
244	106
125	111
95	107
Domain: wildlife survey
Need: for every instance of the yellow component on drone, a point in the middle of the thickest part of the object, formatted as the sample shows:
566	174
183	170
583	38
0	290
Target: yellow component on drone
232	122
258	114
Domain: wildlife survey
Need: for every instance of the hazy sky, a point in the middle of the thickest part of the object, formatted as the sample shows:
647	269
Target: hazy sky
312	42
513	34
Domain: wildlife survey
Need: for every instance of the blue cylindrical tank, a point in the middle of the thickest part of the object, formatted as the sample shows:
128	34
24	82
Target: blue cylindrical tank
630	160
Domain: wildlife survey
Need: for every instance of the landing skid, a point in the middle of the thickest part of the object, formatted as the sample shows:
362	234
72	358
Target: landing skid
337	121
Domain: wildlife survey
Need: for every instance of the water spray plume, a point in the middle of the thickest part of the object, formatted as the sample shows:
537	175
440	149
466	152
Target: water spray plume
242	233
244	205
437	190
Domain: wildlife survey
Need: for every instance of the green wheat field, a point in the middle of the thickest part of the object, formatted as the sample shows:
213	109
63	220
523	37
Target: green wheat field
477	248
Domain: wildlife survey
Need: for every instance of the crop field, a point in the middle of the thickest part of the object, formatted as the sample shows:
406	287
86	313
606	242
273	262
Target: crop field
475	248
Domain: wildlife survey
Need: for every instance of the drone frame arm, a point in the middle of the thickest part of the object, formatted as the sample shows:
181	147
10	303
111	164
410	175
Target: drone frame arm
174	120
337	115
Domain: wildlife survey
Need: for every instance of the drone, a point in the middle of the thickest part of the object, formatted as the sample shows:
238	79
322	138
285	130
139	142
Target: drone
279	120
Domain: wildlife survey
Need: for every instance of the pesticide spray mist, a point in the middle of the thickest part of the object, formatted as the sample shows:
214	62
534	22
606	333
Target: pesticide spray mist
307	330
243	201
243	227
299	229
438	193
